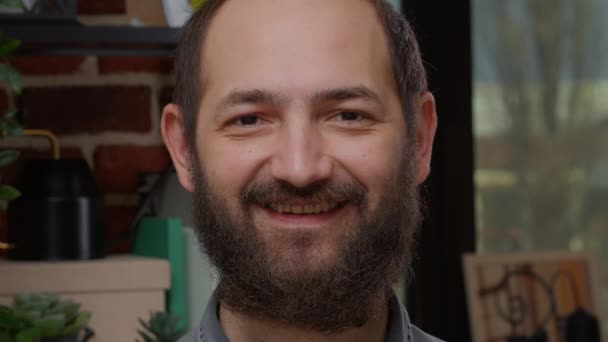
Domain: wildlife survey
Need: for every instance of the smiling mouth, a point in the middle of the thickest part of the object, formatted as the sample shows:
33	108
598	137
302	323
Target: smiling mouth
305	209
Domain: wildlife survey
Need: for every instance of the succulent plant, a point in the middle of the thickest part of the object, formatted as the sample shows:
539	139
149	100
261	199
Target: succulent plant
12	325
34	317
161	327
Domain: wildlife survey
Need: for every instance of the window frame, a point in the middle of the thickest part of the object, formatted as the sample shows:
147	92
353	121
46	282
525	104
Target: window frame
436	295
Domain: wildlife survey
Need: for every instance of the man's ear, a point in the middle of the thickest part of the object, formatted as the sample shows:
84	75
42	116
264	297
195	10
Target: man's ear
425	134
176	142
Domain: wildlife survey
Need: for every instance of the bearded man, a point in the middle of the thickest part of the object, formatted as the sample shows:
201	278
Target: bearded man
303	129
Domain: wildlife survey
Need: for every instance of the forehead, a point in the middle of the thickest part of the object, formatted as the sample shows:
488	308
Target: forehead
295	46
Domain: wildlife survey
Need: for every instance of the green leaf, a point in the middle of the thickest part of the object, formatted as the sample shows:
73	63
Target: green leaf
146	337
8	193
8	157
20	299
13	129
9	125
50	326
81	321
32	315
67	308
10	115
144	324
5	336
12	76
10	320
162	326
29	301
29	335
12	3
7	46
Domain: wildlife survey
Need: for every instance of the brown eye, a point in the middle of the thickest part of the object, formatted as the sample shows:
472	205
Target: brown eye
248	120
349	116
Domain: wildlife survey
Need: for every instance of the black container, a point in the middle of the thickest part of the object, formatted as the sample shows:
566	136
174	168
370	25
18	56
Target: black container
59	215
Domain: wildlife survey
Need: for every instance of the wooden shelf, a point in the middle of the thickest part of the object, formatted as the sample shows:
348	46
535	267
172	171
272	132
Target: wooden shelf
60	37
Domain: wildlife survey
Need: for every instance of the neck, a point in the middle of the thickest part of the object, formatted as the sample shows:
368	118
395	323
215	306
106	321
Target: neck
243	328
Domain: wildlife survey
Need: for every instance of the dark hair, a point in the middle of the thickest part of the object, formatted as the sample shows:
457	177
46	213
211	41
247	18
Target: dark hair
408	70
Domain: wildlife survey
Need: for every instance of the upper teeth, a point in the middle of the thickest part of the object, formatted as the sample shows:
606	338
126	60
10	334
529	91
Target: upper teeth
317	208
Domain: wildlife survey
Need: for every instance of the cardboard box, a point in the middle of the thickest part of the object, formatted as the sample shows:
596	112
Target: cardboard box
116	290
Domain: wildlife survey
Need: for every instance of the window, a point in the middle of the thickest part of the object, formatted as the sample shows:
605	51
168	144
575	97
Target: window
540	113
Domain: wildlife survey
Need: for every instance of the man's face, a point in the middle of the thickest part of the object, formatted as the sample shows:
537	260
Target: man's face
299	99
304	178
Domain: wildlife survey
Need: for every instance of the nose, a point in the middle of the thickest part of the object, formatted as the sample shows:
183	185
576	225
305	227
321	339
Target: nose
299	157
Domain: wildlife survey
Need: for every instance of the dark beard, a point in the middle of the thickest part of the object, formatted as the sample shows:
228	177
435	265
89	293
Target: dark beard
374	255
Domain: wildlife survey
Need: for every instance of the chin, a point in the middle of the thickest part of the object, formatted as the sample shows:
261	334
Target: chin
298	252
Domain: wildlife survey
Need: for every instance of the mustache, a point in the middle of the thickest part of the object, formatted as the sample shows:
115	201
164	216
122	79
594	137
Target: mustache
268	190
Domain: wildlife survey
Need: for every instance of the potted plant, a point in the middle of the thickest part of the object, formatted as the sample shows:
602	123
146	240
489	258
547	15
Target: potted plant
43	318
8	123
160	327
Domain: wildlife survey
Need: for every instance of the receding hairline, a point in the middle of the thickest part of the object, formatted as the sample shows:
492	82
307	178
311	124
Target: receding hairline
203	75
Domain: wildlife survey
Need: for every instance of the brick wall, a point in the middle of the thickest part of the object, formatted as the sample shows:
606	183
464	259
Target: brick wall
103	109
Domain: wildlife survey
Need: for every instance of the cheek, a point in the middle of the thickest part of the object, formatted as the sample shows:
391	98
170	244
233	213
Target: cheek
372	160
230	165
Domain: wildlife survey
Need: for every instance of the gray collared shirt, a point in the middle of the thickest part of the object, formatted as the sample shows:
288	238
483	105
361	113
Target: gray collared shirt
399	329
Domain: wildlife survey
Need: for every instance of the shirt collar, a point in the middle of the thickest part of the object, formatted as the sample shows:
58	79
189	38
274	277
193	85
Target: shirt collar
399	327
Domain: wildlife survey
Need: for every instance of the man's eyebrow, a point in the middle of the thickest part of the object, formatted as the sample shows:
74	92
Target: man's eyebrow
251	96
346	93
273	98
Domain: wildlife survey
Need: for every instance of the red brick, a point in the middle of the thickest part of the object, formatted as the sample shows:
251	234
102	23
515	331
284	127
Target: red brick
118	166
118	220
3	101
47	65
10	172
102	6
108	65
69	110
